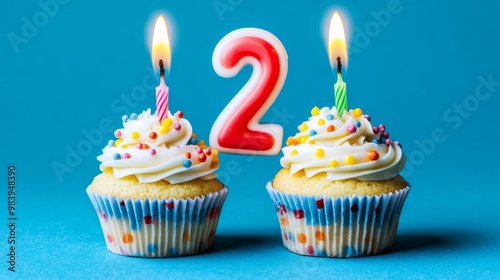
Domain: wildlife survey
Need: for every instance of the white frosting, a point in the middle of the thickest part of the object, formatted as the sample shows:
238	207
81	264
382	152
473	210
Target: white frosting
350	151
167	162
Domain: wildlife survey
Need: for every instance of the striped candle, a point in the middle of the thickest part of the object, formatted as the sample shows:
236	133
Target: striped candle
340	91
162	96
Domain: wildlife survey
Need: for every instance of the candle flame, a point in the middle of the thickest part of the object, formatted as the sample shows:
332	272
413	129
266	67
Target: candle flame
336	41
161	45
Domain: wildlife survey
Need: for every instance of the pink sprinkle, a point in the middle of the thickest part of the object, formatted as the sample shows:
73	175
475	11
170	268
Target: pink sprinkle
388	142
208	152
139	146
126	155
118	133
351	128
177	126
152	152
385	134
375	130
199	150
382	129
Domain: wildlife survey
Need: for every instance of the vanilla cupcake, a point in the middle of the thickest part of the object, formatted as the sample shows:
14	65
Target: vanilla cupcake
157	195
339	193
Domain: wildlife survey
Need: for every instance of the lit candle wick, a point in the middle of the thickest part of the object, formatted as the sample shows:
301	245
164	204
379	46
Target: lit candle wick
339	65
162	69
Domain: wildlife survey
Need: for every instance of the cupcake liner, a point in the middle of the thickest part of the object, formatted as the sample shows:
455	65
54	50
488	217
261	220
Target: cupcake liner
165	227
338	226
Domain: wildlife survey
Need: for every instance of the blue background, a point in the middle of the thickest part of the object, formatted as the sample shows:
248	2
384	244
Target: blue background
411	72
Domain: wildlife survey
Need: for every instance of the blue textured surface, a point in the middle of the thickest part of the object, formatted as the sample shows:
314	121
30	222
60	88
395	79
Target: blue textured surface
428	70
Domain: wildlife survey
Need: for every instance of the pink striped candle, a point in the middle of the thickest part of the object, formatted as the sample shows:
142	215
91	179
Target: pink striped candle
162	96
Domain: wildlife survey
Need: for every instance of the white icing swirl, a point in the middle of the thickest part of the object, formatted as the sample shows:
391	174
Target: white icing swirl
154	151
340	151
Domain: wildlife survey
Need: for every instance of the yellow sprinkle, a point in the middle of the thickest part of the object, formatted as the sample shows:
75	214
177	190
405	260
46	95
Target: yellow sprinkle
312	142
135	135
321	122
350	160
165	129
333	163
303	139
167	122
320	153
303	127
118	141
293	153
315	111
290	141
357	113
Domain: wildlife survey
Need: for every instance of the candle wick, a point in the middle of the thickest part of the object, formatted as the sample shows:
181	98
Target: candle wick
162	69
339	65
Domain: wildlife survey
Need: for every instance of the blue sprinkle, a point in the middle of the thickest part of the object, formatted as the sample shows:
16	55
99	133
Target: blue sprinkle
382	139
152	248
313	132
111	143
125	118
358	124
193	141
375	141
133	116
329	117
187	163
117	156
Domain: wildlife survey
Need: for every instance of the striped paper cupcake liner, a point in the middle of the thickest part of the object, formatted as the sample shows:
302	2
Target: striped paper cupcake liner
338	226
158	227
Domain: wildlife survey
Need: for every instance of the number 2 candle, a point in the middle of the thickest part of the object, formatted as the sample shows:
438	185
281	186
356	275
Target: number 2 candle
237	129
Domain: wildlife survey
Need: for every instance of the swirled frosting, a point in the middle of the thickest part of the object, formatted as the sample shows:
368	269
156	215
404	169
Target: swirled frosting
154	151
343	147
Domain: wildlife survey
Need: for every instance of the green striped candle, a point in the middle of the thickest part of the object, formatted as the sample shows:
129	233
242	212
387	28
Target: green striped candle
340	91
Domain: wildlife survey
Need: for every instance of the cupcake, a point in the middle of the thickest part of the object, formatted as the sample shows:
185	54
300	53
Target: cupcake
339	193
157	195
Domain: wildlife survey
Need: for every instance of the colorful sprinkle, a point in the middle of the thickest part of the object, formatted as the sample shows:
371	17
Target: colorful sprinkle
126	155
321	122
118	133
351	129
153	135
385	134
135	135
167	122
293	153
117	142
208	151
117	156
199	150
139	146
165	129
177	126
315	111
375	141
388	142
125	118
180	114
350	160
290	141
329	117
145	146
312	132
187	163
375	130
357	124
188	155
303	127
357	113
111	143
193	140
330	128
303	139
133	116
373	155
382	140
152	152
320	153
202	157
381	128
333	163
